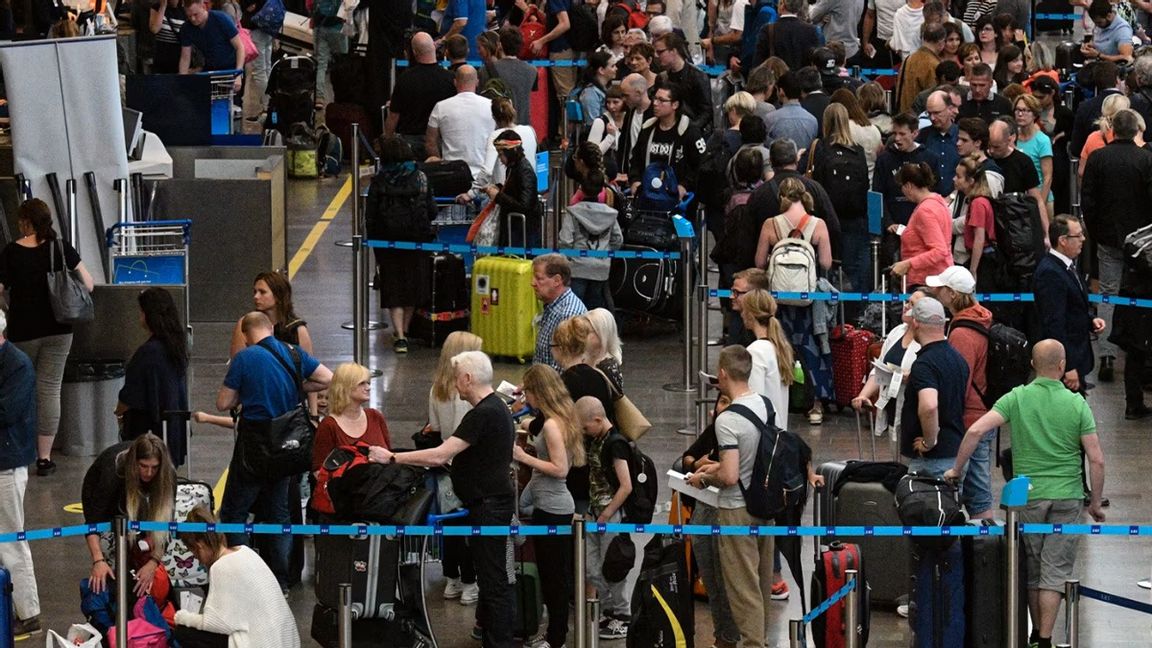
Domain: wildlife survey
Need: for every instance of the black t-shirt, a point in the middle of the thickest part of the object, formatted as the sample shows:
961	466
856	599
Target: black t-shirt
24	274
583	380
416	94
1019	172
938	366
481	470
615	447
662	145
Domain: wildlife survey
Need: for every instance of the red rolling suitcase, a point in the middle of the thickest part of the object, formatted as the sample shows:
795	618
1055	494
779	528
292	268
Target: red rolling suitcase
538	105
830	574
849	361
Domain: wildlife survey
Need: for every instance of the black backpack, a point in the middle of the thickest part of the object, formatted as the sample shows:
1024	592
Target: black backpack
402	213
583	35
737	243
712	183
843	171
375	492
1009	362
779	474
1019	236
641	503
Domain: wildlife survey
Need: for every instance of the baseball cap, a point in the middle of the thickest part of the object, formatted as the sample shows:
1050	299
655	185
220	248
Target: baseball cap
1044	84
824	61
927	310
955	277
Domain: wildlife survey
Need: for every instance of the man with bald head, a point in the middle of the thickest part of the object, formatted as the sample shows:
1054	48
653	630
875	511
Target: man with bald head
639	106
1050	427
939	139
459	126
417	91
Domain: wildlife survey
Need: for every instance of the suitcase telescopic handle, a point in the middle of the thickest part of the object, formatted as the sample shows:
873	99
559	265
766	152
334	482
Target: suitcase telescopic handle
437	520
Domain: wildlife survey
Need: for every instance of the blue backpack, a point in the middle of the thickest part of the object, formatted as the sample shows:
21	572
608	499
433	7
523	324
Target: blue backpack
329	152
658	189
756	16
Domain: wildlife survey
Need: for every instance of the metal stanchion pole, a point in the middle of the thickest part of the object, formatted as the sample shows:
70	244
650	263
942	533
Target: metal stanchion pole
701	360
344	631
796	637
875	244
580	622
120	528
1072	610
686	281
593	606
1074	185
360	324
851	612
1012	577
702	248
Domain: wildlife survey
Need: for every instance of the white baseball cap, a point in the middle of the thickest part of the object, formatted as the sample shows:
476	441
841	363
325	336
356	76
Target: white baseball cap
956	277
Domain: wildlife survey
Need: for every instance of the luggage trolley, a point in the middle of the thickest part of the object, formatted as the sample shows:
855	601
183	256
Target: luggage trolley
221	96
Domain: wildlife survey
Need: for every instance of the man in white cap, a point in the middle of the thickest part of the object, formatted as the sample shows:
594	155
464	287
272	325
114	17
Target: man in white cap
968	334
932	421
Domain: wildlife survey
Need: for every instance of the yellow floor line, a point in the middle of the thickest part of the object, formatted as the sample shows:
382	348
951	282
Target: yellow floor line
319	228
218	490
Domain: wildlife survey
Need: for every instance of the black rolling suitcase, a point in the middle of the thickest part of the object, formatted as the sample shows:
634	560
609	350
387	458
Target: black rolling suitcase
985	562
650	286
446	308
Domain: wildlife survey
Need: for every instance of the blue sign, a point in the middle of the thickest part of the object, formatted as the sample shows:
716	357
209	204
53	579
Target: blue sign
875	212
542	160
149	270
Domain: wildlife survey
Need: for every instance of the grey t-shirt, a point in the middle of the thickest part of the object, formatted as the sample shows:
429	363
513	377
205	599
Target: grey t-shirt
521	78
733	431
548	493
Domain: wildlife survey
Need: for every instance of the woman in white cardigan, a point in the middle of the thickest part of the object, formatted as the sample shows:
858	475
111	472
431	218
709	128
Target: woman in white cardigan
244	607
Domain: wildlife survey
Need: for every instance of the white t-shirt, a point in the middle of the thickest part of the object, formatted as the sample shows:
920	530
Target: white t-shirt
444	416
766	380
494	171
885	11
737	22
465	122
734	432
906	29
870	139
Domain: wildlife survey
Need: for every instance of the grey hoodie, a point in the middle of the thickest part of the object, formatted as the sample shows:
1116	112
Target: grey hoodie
590	226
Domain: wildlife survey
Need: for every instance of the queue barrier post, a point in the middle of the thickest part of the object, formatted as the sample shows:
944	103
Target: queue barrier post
852	612
796	634
1013	498
1074	186
593	624
685	232
1072	612
580	622
120	528
360	324
344	636
701	355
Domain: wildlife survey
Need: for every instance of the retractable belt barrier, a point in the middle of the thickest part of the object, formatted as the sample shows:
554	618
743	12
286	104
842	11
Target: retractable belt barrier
519	251
1114	599
1095	298
830	601
710	70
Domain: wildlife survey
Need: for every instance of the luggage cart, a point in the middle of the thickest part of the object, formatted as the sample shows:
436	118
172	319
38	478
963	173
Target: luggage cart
221	96
153	253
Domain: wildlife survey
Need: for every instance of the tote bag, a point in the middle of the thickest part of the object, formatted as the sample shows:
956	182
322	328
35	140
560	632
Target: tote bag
71	303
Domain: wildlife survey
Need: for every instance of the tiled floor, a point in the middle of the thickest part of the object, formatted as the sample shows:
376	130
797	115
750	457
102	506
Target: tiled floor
322	291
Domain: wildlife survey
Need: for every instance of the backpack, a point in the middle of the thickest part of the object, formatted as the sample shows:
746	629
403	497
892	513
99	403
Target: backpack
375	492
712	185
1019	236
329	152
662	603
303	145
1009	362
792	262
495	87
335	465
844	170
658	189
531	29
634	16
641	503
583	35
402	213
779	472
757	15
737	243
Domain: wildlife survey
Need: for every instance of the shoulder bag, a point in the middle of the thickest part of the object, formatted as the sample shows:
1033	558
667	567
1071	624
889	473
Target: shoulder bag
281	447
71	302
629	419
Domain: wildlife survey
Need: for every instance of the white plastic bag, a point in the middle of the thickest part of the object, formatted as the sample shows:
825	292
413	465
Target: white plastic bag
80	635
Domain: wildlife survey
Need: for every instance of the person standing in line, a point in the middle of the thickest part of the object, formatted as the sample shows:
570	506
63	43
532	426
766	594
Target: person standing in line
328	40
551	277
32	326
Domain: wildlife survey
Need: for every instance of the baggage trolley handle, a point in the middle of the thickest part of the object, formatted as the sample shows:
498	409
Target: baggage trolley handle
437	520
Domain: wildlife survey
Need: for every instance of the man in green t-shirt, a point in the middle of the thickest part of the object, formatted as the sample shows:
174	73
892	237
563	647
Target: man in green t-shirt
1050	425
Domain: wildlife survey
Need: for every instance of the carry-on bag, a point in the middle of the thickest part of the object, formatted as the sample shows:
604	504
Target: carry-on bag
504	305
649	286
663	611
179	561
446	308
985	561
850	362
936	604
831	573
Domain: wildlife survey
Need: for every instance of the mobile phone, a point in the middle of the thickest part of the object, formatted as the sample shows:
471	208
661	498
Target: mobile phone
1087	38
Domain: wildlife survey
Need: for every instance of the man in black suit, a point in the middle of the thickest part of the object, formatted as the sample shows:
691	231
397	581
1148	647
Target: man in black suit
1062	307
791	37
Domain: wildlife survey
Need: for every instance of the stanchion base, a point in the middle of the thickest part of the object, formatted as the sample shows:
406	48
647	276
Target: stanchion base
686	432
344	243
679	387
715	342
372	326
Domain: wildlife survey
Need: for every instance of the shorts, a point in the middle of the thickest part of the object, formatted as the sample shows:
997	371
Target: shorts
1050	557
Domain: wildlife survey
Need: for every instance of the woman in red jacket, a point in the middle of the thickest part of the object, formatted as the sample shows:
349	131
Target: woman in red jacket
926	242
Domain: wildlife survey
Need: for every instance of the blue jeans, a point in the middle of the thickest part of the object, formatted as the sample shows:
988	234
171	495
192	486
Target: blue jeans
594	294
326	41
978	480
255	99
244	494
934	467
857	253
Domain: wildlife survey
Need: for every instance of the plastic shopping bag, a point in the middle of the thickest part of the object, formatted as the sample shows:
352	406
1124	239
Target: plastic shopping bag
80	635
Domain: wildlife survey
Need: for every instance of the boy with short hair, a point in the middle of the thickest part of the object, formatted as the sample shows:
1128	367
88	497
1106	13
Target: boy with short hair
610	484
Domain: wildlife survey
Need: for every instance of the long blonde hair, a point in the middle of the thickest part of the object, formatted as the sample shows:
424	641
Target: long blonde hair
551	397
444	381
760	307
604	325
836	128
344	380
154	501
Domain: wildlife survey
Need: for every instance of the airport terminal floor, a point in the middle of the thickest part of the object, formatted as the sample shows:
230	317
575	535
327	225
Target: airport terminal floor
322	286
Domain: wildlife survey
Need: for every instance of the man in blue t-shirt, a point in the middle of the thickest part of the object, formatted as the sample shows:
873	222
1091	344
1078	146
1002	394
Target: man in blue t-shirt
260	383
217	38
467	18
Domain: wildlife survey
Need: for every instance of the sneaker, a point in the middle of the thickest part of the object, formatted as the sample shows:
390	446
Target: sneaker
902	610
815	417
28	626
45	467
780	591
477	633
453	589
1145	584
613	629
470	594
400	345
544	644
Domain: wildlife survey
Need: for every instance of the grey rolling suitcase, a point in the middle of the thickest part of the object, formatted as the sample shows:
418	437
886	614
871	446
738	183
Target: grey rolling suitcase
869	504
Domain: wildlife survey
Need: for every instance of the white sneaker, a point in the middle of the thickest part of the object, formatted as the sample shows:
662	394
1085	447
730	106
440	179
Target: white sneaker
902	610
454	589
470	594
1144	584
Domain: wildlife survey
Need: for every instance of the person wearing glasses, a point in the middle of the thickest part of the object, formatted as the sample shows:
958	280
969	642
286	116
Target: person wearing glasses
350	422
669	138
939	139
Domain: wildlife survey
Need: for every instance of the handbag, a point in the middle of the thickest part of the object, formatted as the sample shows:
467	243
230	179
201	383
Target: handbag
250	51
629	419
270	17
71	302
485	228
281	447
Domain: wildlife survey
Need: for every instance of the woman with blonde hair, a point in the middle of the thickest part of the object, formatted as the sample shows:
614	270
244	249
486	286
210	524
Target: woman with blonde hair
603	346
558	441
445	411
772	357
978	227
135	479
1097	139
349	421
796	220
834	157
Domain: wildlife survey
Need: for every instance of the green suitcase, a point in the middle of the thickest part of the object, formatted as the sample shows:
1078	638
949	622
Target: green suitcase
504	306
